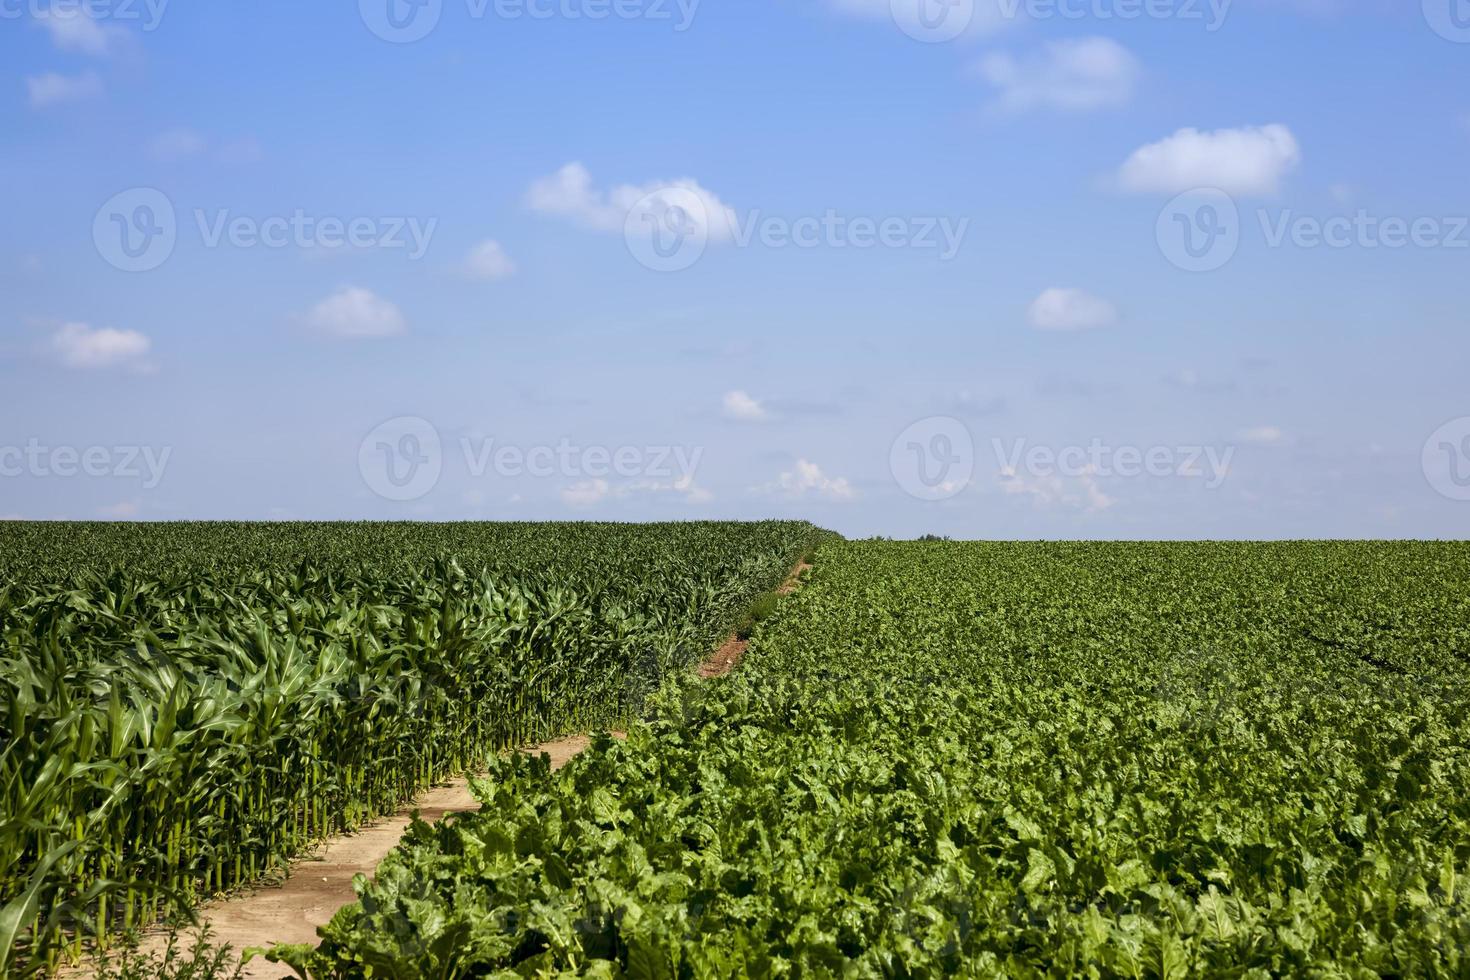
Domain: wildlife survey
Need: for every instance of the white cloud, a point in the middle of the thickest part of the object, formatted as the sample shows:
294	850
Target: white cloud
743	408
1263	435
80	346
488	261
123	511
1085	73
1079	492
569	193
354	313
808	479
589	493
177	144
586	493
1248	161
53	88
1070	309
73	29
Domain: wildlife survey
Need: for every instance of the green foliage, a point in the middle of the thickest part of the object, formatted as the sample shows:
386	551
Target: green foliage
760	610
185	707
995	760
203	959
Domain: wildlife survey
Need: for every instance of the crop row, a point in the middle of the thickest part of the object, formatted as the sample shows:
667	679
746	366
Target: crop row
172	733
996	760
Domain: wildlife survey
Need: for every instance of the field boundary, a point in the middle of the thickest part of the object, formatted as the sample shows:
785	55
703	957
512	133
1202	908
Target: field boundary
732	651
319	883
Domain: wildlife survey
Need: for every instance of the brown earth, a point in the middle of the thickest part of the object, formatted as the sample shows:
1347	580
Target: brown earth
725	659
793	581
730	653
321	883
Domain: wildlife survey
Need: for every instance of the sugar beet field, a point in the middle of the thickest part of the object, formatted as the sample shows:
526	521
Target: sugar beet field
934	759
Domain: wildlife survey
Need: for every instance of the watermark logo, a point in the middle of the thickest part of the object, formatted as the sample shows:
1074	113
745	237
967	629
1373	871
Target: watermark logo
1199	231
933	21
147	14
1212	13
407	21
933	459
136	230
668	230
35	459
1446	459
1100	460
1450	19
401	21
1363	229
402	459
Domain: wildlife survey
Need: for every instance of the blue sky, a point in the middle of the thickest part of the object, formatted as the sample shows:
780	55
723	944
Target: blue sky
901	284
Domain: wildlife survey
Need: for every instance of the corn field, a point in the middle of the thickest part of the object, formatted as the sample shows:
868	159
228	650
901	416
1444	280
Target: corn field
187	707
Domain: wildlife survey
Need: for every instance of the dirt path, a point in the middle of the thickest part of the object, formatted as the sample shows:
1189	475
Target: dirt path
321	883
729	655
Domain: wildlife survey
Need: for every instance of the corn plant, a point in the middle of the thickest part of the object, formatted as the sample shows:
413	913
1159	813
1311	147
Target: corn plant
171	734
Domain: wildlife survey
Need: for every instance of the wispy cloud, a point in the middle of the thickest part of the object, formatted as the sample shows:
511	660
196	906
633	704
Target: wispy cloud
808	480
590	493
488	261
1070	309
569	193
73	29
54	88
80	346
1069	75
1079	493
741	407
354	313
1262	435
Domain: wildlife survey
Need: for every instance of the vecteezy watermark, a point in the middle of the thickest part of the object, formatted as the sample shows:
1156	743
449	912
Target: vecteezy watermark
933	21
933	459
407	21
41	461
404	458
1446	459
147	14
1100	460
138	230
1210	13
1450	19
670	229
401	459
1201	230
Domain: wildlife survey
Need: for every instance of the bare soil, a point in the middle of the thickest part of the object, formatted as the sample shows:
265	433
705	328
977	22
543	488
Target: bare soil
725	659
321	883
730	653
